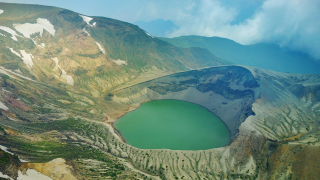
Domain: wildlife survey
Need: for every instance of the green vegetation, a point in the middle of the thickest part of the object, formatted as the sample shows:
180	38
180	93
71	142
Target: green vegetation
37	127
50	148
92	56
6	158
80	71
46	150
44	110
4	76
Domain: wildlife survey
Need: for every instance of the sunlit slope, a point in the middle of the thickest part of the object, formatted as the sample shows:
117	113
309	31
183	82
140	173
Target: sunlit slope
270	115
265	56
65	78
95	54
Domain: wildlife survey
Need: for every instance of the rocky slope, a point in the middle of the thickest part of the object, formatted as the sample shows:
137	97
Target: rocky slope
280	123
59	99
273	118
229	89
93	54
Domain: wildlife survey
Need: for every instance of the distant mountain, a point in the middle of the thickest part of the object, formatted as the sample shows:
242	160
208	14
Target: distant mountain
265	56
65	78
157	27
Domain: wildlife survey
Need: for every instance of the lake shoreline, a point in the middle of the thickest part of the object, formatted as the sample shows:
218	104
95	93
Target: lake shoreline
117	132
183	141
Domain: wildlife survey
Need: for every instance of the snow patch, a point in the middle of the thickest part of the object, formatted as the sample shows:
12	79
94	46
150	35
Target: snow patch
12	119
84	30
32	174
5	71
15	52
2	35
58	160
86	19
10	31
5	149
101	49
148	34
4	107
22	160
94	24
1	11
6	91
27	29
120	62
64	74
5	176
46	25
42	45
27	58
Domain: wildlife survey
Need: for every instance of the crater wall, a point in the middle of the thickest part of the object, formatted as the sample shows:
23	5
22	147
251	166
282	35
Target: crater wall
228	92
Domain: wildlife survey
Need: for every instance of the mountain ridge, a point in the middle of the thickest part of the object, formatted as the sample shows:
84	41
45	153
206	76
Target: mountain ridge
65	78
105	41
265	56
157	27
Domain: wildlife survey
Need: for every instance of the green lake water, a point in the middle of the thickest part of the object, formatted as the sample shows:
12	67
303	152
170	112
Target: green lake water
173	124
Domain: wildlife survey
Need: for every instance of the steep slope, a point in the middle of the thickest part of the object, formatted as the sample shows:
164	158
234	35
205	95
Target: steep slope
273	119
220	90
265	56
58	66
58	101
93	54
271	116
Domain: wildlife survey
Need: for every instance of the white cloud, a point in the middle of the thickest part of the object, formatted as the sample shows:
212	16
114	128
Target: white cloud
290	23
206	19
293	24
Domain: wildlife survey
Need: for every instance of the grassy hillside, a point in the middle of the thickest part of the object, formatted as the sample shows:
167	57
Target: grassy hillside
97	55
264	56
65	79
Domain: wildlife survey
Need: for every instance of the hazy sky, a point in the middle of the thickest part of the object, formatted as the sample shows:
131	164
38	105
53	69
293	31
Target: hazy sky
294	24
